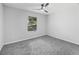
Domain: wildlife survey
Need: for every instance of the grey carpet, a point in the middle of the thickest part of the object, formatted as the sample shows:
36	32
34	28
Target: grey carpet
44	45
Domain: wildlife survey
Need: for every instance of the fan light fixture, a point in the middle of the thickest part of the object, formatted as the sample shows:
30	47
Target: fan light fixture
43	7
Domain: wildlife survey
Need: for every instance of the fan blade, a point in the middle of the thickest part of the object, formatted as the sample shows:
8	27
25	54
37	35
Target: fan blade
42	5
46	11
46	4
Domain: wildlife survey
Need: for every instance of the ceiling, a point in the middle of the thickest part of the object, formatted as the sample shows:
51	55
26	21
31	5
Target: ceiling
31	7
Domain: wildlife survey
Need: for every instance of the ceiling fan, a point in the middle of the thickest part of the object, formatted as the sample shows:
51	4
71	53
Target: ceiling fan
43	7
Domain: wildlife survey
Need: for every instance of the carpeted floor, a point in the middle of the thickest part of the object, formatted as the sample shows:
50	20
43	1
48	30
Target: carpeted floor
44	45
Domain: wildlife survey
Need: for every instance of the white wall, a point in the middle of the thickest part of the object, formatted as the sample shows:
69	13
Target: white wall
16	25
1	25
63	23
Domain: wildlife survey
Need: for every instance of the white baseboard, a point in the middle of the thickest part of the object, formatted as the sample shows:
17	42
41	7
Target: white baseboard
23	39
1	47
39	36
74	42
